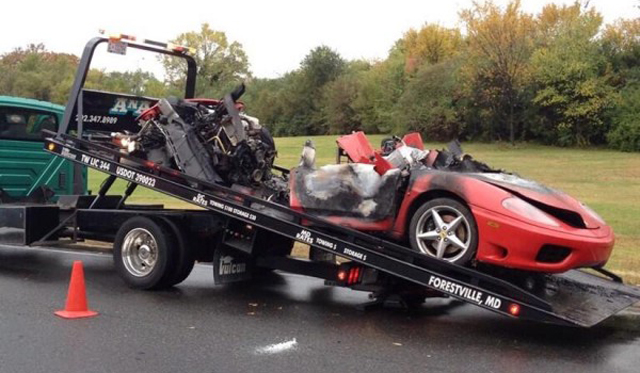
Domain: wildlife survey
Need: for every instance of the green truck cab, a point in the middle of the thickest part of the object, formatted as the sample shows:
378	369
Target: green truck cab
24	165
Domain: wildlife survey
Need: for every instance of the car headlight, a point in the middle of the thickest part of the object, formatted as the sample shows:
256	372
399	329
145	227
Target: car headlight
128	144
592	213
528	211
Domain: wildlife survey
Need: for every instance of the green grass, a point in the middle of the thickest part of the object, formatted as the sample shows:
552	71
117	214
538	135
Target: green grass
608	181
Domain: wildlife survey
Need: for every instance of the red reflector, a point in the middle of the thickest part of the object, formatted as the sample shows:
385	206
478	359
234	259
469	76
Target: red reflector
514	309
354	275
342	275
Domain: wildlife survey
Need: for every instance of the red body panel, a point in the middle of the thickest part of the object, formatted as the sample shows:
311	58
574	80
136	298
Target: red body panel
357	147
381	165
414	140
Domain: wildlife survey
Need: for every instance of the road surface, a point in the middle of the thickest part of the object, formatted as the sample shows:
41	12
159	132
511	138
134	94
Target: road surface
289	324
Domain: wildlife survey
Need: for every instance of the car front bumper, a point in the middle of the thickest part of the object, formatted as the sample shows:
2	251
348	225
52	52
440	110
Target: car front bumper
512	243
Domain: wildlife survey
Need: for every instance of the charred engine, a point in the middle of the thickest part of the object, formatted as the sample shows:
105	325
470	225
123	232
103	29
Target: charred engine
208	140
208	147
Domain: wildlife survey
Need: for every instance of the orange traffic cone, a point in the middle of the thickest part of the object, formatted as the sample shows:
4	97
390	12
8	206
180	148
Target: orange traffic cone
76	306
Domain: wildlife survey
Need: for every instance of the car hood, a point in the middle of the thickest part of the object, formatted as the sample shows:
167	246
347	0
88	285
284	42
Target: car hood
548	199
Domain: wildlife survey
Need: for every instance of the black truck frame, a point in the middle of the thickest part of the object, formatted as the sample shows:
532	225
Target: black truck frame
244	236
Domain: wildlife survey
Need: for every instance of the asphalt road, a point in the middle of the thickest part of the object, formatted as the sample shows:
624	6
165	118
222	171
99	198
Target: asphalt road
288	324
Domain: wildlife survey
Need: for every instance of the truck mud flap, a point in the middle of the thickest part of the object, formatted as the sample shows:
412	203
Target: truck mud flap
584	299
230	265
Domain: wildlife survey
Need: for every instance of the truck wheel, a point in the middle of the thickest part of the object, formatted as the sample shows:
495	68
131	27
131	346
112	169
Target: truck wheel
445	229
185	255
145	253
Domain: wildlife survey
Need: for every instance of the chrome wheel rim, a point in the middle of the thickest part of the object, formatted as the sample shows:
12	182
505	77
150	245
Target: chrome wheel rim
443	232
139	252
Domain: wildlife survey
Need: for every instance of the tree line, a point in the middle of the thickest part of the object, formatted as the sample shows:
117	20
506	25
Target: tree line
559	77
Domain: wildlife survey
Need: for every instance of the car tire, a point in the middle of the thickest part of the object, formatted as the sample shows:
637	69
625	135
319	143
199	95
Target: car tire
455	239
145	253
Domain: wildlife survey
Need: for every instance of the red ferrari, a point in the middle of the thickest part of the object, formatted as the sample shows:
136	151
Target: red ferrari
449	206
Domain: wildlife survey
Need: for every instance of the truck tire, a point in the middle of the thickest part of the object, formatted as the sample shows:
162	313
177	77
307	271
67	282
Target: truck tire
145	253
185	258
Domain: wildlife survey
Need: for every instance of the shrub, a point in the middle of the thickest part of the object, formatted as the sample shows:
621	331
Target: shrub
625	132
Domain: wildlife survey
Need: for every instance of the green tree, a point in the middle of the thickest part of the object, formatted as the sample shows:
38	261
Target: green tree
568	72
266	99
499	46
380	89
35	72
431	44
621	46
321	66
303	98
339	113
625	135
139	83
221	64
339	97
431	102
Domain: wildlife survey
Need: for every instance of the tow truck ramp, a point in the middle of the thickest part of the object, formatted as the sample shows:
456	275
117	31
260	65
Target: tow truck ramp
575	298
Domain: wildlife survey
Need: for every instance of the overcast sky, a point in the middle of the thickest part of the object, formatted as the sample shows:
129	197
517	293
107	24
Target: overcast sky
276	34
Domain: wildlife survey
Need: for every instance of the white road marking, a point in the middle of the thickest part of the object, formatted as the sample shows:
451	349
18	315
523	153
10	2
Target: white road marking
277	347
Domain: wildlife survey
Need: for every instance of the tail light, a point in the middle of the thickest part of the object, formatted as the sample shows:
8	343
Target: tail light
342	275
514	309
349	274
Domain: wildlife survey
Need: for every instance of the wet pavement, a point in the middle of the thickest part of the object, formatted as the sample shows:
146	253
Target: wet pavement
287	324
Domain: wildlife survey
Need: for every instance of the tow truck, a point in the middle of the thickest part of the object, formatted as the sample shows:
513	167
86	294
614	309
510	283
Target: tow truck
244	236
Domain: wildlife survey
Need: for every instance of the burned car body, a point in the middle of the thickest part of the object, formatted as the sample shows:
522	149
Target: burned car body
448	205
348	190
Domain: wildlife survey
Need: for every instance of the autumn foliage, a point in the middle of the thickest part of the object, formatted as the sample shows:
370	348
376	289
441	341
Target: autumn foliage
559	76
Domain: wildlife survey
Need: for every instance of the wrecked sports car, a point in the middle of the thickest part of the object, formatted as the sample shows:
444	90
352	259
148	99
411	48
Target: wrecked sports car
441	203
447	205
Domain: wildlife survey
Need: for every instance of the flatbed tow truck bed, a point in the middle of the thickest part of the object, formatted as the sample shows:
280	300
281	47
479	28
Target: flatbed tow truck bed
574	298
385	268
